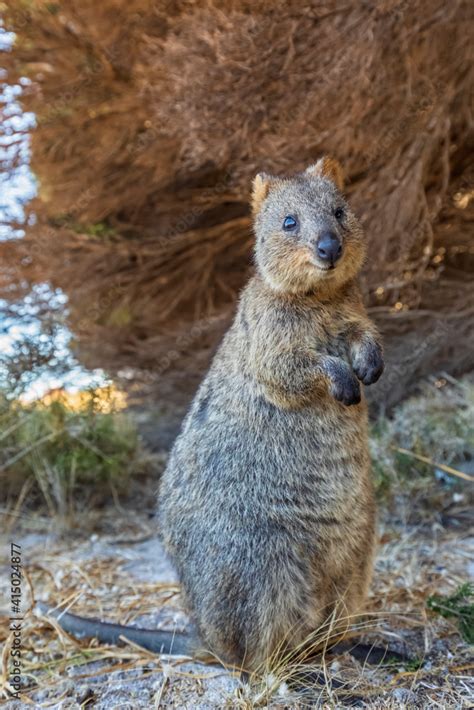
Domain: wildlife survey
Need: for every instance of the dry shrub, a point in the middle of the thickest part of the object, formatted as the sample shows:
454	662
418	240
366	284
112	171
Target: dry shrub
153	118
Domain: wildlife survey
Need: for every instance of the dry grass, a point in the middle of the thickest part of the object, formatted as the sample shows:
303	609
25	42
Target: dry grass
66	452
68	574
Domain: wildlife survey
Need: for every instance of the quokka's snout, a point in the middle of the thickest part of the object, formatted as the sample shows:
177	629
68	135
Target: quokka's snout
328	248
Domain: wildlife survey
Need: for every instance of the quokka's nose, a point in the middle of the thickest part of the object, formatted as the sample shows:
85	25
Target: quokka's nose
329	247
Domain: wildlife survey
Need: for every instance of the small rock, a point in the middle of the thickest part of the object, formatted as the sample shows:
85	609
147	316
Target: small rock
404	695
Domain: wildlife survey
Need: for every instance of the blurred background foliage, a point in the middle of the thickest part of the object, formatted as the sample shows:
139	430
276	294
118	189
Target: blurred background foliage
151	120
66	452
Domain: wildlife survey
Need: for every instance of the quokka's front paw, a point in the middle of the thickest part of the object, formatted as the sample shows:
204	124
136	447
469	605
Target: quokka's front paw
344	386
368	362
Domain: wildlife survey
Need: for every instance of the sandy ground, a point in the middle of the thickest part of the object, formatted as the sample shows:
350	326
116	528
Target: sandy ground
120	572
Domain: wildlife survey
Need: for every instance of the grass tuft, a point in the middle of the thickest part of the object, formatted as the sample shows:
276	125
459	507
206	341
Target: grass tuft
413	451
65	451
458	606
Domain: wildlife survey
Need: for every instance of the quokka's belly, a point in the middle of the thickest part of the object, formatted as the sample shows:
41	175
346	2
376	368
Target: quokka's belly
263	513
240	455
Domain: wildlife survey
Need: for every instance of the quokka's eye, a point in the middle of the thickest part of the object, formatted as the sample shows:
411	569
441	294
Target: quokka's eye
339	213
290	223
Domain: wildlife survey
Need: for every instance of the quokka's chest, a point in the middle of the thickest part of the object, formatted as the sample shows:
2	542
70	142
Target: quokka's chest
326	330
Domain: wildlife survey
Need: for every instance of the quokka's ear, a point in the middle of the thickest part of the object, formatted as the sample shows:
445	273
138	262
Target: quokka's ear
329	168
260	188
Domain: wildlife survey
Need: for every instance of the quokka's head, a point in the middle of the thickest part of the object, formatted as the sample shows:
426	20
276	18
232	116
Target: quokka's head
308	239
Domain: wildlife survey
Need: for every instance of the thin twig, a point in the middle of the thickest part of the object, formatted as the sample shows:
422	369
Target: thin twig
443	467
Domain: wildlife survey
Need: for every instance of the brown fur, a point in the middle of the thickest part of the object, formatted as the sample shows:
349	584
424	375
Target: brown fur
330	168
266	504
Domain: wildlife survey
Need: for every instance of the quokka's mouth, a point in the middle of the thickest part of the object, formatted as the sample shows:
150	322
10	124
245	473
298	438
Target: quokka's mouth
327	269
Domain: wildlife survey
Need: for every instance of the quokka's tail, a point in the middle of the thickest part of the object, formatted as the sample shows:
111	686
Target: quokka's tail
167	642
